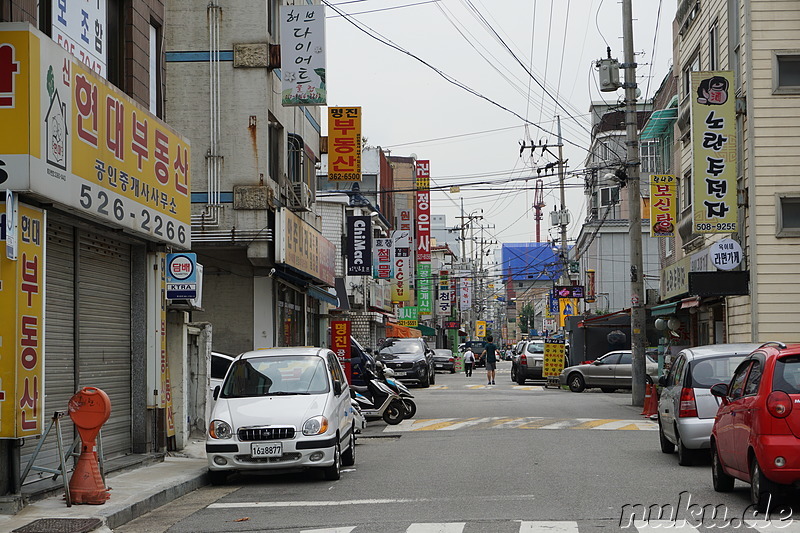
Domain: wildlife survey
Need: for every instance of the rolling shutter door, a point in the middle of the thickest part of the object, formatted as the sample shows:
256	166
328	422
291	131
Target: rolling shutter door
104	318
59	371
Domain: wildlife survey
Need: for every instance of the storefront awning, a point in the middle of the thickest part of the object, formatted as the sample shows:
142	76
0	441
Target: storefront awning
602	320
426	331
323	295
396	330
688	303
664	309
658	123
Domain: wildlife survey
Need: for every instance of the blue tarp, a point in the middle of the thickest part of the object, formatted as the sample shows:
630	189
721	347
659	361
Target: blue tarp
532	261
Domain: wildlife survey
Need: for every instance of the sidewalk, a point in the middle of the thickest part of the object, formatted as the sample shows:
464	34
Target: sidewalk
132	494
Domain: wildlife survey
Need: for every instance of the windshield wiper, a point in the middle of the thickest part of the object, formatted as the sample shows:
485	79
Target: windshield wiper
284	393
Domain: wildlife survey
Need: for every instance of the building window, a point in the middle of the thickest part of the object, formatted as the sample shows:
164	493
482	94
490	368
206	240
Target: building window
649	156
669	246
788	215
713	46
786	73
691	66
275	148
156	106
685	191
295	161
609	196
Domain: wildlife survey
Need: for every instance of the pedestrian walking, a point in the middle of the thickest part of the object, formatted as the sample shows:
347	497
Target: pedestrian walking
490	352
469	361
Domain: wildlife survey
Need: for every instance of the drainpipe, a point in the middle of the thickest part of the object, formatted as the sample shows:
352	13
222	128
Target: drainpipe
750	173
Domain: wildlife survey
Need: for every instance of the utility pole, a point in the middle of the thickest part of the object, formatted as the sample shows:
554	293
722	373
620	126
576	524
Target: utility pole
635	214
562	216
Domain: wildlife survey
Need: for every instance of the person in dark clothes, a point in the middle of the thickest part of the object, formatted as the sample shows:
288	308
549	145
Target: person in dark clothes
490	352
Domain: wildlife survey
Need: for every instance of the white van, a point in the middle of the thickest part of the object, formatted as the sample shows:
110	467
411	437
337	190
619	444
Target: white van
282	409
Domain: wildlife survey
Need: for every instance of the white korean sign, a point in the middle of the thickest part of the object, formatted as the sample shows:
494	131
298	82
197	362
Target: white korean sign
726	254
79	27
303	55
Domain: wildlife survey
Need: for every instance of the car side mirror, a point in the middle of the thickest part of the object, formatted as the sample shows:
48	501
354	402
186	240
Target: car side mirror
596	363
662	380
720	390
337	388
216	392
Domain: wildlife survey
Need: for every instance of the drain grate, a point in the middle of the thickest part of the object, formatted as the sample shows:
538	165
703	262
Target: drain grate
61	525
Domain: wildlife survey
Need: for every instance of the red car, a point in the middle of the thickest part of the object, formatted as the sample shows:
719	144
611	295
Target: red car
756	433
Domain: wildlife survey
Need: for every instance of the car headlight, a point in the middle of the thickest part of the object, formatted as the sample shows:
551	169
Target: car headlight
219	429
315	426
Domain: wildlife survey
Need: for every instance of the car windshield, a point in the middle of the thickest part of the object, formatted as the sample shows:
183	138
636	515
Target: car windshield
276	376
708	372
535	347
443	353
398	346
787	375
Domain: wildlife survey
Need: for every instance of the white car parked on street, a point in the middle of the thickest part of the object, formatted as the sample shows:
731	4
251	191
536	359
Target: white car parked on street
282	409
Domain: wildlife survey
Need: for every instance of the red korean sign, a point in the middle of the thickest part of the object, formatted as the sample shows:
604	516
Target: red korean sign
344	144
340	344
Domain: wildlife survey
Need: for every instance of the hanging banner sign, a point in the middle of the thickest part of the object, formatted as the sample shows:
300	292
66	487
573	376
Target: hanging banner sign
302	30
663	205
591	295
340	344
382	259
11	224
359	246
714	147
424	288
80	29
443	303
401	287
566	307
423	198
465	293
181	276
408	316
344	144
22	352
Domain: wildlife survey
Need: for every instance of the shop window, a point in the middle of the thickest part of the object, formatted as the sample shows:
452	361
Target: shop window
692	66
713	46
649	156
609	196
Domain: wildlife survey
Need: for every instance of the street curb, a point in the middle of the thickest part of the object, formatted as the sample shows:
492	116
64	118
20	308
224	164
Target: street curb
154	501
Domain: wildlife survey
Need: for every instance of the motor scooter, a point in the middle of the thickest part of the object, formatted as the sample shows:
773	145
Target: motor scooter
377	400
400	388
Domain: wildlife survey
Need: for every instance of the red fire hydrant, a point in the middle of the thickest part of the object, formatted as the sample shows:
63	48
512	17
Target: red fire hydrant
89	410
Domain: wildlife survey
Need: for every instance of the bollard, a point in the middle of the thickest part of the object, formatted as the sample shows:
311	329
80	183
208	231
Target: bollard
89	410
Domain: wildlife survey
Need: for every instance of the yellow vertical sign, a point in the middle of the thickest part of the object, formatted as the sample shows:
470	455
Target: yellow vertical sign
553	357
344	144
480	328
566	307
22	284
663	205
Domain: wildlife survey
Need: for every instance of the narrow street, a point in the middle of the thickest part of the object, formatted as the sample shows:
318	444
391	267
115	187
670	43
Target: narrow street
476	458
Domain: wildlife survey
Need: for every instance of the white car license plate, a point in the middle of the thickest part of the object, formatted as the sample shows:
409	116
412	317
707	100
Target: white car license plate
440	366
400	372
266	449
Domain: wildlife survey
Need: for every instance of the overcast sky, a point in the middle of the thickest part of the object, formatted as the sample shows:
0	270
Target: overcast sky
409	108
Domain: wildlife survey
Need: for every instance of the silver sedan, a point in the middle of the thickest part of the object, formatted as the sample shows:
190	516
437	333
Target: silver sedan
609	372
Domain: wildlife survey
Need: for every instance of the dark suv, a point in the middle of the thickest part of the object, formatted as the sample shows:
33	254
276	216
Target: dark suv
410	358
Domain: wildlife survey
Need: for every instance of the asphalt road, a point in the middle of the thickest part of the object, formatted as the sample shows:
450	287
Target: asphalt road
476	458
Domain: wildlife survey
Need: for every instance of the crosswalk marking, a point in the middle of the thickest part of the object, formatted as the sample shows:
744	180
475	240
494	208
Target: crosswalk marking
529	526
661	525
446	527
533	422
331	530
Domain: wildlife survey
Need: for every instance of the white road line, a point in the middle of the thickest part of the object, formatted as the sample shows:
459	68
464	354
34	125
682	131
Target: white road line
468	423
241	505
775	525
552	527
663	525
445	527
564	424
330	530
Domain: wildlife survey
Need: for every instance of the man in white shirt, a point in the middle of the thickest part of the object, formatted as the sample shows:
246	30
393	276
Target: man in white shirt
469	361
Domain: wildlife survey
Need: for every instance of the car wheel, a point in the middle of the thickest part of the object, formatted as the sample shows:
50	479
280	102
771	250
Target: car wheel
395	413
334	472
425	382
411	407
722	481
520	378
685	455
607	389
349	456
760	493
513	373
666	445
217	477
576	382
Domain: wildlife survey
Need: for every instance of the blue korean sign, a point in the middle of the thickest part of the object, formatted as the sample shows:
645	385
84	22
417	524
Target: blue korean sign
181	276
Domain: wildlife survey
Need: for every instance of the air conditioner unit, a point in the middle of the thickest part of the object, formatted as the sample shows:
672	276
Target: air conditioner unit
301	197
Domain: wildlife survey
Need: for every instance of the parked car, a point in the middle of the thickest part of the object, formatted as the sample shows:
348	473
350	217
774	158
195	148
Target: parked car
686	408
528	364
756	433
279	409
609	372
477	348
410	358
220	362
443	360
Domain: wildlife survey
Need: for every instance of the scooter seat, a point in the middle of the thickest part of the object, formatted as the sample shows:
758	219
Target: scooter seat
360	388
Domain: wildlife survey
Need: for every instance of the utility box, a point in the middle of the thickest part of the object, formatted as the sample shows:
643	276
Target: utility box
609	75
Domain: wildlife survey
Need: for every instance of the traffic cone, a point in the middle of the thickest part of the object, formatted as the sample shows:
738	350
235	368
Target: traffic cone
650	401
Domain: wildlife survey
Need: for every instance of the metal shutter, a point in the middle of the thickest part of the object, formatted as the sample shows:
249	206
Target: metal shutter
104	322
59	371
